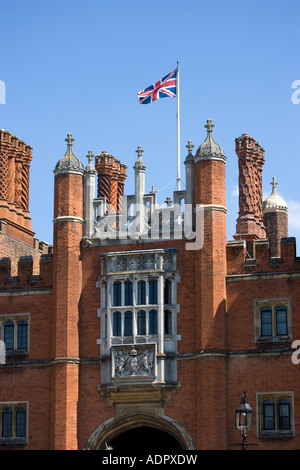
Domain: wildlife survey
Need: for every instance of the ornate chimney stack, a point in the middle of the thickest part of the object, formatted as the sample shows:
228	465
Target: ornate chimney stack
15	159
111	178
250	224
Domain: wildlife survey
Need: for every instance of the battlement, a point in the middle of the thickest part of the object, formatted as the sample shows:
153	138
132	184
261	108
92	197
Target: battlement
255	256
26	277
7	140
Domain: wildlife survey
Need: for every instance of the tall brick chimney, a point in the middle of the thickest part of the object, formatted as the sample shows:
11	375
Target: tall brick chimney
15	159
250	224
111	178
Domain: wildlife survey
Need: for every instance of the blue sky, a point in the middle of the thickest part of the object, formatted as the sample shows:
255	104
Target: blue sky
77	65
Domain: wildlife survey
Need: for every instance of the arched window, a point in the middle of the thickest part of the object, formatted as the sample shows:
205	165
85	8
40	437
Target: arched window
22	334
128	292
7	423
281	320
117	293
9	335
128	324
266	321
153	322
21	422
284	414
117	324
268	415
153	291
141	293
141	322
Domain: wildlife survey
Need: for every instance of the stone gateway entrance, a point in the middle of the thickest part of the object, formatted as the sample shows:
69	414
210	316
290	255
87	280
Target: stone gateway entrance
145	439
141	433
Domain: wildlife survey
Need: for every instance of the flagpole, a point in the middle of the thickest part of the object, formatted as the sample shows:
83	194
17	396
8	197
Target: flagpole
178	131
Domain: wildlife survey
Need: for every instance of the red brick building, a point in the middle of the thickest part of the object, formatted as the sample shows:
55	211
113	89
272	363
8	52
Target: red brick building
142	325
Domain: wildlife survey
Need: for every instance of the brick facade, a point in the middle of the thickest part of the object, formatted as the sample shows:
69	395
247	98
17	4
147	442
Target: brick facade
218	349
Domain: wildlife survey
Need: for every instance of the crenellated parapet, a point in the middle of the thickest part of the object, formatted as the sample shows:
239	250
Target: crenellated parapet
26	276
240	261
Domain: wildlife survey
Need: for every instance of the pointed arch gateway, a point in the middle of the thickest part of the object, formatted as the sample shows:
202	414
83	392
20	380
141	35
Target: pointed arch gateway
138	432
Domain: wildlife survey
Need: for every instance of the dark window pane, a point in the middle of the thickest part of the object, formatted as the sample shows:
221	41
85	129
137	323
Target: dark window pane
141	293
117	324
141	322
21	422
269	417
128	324
152	292
168	322
22	334
167	292
266	321
128	293
9	335
7	423
117	293
281	320
284	414
153	322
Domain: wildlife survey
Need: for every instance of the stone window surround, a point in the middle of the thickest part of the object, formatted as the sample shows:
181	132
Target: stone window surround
273	303
15	318
275	397
136	265
107	313
14	406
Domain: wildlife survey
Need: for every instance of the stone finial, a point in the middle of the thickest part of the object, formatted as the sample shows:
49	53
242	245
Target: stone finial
69	162
274	184
139	164
210	150
90	166
90	156
139	151
168	201
209	125
274	202
69	140
190	146
189	157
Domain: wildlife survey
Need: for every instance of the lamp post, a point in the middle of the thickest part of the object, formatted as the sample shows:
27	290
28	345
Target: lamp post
244	419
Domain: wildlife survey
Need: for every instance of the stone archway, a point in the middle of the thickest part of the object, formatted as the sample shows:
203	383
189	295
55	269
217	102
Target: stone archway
141	432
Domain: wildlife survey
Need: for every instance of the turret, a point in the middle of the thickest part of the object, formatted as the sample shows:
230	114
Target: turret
210	279
67	285
275	213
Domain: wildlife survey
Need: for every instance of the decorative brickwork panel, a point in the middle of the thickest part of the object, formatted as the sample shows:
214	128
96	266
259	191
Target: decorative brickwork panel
111	177
25	187
18	184
3	175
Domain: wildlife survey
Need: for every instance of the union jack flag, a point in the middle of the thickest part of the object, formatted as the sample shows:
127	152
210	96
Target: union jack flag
161	89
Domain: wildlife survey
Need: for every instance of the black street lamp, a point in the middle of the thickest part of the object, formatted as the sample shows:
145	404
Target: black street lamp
244	419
